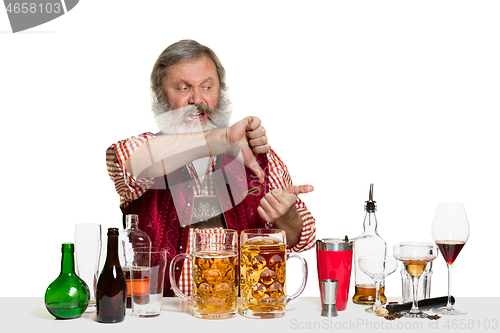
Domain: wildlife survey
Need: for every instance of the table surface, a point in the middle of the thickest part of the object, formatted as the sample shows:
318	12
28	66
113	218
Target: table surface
303	314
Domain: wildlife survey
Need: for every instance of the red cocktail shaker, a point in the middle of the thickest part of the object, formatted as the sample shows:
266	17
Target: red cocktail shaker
334	259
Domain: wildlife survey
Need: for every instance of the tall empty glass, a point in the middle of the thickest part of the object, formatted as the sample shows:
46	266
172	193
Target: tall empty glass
87	248
263	273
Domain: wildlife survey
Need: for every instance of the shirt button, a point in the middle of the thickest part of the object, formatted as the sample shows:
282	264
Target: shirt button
180	247
188	205
177	268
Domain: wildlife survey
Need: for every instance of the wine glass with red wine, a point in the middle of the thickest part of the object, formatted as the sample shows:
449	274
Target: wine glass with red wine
450	231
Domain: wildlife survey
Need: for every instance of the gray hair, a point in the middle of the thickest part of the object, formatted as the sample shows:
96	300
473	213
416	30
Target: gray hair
183	50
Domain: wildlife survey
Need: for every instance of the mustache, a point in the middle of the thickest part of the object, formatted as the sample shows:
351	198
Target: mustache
193	108
203	108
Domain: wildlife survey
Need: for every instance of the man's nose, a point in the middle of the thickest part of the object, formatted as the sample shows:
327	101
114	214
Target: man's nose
195	97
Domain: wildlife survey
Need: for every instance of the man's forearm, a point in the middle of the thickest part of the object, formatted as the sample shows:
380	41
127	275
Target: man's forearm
292	223
165	153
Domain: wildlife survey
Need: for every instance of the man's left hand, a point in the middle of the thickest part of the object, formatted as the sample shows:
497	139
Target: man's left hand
277	203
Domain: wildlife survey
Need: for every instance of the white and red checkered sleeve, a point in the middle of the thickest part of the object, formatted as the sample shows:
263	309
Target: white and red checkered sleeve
128	187
280	178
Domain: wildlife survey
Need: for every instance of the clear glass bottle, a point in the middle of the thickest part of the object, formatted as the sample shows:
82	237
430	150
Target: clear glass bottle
132	237
111	294
368	243
67	296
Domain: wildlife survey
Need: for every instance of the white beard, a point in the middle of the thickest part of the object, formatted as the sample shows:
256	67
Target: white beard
171	121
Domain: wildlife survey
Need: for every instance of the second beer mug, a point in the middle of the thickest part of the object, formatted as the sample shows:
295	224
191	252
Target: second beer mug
263	273
215	284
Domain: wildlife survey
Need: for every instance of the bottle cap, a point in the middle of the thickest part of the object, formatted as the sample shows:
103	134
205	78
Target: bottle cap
113	232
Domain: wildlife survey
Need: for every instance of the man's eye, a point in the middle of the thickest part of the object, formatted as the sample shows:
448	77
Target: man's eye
183	88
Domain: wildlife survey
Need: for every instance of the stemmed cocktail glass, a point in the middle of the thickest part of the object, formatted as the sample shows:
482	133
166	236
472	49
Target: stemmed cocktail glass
450	231
415	257
378	268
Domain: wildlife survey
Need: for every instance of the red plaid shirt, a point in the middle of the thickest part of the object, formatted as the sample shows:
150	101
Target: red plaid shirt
130	188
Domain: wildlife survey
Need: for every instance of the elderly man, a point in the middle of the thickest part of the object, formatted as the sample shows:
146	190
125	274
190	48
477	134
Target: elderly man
199	173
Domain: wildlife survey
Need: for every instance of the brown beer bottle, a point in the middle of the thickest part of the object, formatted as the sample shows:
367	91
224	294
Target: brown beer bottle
111	294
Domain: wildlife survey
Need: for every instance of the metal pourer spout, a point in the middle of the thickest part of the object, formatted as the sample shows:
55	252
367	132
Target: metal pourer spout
370	204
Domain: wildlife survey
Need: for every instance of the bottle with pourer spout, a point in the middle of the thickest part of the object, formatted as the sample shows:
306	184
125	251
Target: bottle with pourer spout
368	243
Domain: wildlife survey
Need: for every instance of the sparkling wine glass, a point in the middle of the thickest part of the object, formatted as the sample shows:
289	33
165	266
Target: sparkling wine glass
415	257
378	268
450	231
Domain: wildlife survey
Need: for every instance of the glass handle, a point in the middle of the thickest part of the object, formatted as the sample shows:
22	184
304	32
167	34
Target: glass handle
173	283
304	277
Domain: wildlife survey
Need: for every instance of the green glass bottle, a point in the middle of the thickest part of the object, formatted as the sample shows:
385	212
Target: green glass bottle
67	296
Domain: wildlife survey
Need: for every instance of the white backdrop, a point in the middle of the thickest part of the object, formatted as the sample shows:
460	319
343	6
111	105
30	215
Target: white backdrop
402	94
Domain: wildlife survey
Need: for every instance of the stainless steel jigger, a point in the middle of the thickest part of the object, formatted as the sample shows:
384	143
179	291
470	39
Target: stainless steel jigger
329	296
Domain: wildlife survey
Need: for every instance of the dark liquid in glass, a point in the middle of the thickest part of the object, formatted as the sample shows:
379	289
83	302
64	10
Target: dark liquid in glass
450	250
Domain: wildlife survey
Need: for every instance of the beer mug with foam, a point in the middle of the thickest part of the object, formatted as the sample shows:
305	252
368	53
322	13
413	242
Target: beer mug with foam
263	273
214	264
